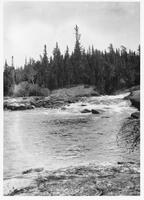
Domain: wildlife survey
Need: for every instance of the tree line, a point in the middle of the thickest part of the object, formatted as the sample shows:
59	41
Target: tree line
107	70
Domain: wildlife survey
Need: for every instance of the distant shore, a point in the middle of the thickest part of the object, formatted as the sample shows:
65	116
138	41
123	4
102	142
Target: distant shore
61	97
56	99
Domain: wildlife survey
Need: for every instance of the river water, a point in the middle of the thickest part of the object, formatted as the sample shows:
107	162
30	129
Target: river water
55	138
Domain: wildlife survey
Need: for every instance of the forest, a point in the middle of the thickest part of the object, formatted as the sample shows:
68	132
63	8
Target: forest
108	71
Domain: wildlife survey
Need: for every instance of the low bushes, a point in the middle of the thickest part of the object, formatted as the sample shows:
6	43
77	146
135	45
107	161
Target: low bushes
26	89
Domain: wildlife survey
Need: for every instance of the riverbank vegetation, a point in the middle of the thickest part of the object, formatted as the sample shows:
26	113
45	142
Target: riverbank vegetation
108	71
57	98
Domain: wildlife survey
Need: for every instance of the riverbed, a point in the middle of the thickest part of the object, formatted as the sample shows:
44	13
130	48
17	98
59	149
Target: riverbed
59	138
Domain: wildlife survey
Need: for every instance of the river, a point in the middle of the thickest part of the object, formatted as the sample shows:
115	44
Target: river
56	138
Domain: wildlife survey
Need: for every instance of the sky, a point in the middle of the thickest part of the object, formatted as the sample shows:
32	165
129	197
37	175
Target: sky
29	25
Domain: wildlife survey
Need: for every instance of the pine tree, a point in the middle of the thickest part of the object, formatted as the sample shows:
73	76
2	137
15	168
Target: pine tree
76	59
9	79
68	69
108	71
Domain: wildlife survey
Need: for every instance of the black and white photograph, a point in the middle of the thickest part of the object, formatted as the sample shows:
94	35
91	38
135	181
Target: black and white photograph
71	98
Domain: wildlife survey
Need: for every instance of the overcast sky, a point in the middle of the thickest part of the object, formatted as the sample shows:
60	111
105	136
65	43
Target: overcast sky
30	25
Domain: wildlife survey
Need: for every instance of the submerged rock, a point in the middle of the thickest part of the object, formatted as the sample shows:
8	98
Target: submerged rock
83	104
63	108
27	171
105	117
33	170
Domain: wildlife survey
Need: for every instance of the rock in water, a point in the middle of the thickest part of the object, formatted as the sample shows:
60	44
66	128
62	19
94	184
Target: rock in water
63	108
135	115
95	111
83	104
85	111
19	106
95	94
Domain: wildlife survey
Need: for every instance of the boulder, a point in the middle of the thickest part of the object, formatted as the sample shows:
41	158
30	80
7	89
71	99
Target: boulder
30	106
95	94
63	108
135	99
5	105
19	106
86	111
32	170
95	111
135	115
39	103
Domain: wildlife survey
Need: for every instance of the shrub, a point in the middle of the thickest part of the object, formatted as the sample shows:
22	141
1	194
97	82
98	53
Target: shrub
21	90
44	91
24	89
35	90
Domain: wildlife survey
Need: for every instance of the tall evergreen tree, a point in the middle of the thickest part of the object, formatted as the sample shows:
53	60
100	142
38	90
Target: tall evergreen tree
108	71
9	81
76	58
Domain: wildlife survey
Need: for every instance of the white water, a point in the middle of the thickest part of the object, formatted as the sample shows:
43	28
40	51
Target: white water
55	138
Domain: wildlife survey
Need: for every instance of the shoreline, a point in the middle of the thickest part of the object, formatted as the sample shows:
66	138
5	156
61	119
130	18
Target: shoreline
90	180
61	97
56	99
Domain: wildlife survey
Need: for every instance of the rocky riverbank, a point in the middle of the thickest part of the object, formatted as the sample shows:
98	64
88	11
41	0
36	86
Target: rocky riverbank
25	103
134	97
131	128
129	134
91	180
58	98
